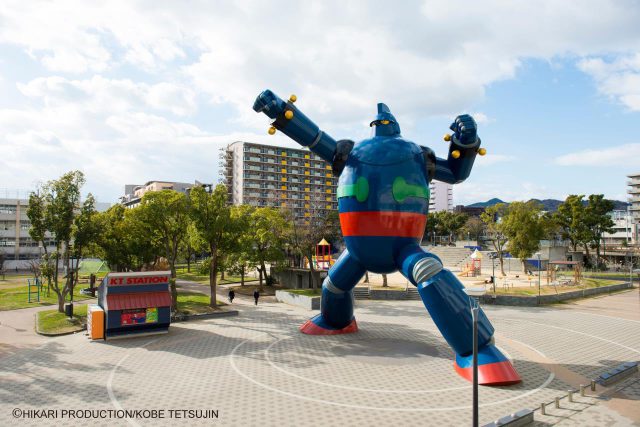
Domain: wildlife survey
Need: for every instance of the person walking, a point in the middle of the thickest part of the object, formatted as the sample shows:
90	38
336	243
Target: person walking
232	295
256	295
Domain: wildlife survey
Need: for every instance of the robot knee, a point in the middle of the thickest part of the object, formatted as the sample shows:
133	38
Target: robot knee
425	269
329	286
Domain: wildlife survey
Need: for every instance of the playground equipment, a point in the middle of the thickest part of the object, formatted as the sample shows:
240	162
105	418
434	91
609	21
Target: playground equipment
323	260
383	199
37	284
474	267
553	267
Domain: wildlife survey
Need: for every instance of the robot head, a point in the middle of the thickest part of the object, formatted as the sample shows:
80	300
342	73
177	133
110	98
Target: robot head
385	124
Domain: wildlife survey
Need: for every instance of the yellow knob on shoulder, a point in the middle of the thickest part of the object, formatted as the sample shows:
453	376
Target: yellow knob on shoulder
447	137
288	114
293	98
482	151
272	130
455	154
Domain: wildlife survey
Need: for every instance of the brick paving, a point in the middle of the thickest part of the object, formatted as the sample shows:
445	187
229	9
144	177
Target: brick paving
257	369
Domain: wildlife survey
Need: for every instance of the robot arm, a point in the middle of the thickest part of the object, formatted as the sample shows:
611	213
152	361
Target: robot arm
293	123
464	147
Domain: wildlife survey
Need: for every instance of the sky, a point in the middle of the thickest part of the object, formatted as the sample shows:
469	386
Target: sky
133	91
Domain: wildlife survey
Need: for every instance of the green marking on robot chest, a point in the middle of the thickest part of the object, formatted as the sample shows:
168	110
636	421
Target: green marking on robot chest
359	190
402	190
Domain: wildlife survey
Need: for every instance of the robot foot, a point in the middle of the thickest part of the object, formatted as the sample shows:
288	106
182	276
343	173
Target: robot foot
493	367
318	326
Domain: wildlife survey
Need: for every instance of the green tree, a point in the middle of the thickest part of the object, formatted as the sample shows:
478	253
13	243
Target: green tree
307	232
36	212
124	241
268	231
524	226
240	259
570	218
495	230
54	208
191	245
453	222
85	229
474	227
212	219
165	213
597	221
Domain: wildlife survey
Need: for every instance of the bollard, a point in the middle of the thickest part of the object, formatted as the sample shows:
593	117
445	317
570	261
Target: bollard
570	396
593	385
582	387
543	409
557	403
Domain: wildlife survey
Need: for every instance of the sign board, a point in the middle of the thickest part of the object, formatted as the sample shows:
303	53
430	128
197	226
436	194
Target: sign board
145	278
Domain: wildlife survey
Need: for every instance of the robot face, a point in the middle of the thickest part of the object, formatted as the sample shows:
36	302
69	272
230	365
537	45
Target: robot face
385	124
384	127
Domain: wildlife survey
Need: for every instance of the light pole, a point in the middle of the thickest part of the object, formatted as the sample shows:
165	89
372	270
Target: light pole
474	302
538	254
493	272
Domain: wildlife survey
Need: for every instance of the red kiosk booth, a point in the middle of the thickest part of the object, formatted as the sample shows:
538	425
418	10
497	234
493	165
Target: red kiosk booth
135	303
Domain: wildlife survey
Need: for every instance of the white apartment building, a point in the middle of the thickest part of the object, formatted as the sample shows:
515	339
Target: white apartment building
441	196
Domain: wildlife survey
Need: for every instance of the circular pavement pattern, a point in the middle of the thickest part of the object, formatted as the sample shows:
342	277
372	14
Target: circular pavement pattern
258	369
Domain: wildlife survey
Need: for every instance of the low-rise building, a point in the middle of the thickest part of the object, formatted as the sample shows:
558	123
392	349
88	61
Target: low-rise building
133	192
16	245
634	200
624	232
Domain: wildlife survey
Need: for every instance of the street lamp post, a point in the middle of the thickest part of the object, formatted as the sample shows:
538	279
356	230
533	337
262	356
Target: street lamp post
474	302
538	254
493	273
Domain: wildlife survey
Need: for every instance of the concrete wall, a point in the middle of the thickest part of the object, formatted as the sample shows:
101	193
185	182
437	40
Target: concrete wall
304	301
387	294
298	278
549	299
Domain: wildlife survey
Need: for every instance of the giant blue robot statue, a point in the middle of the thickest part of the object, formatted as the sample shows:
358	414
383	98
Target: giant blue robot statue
383	199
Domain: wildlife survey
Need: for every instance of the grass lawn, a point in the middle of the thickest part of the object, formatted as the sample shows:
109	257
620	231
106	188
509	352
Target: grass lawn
306	292
388	288
194	276
266	290
52	322
547	290
14	294
195	303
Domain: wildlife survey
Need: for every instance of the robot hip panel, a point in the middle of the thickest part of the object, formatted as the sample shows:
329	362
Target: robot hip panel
378	253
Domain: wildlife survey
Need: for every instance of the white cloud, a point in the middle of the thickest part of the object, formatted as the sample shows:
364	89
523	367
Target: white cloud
623	156
618	79
481	118
100	94
422	58
492	159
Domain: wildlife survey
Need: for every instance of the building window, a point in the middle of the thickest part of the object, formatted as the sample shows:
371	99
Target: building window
8	209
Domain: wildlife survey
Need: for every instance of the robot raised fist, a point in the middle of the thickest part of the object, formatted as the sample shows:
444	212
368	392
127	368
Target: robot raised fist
383	200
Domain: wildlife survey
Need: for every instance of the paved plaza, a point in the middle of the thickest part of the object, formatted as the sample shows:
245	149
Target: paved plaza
257	369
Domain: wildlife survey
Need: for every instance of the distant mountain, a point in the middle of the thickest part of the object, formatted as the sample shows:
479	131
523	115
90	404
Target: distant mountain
549	205
486	204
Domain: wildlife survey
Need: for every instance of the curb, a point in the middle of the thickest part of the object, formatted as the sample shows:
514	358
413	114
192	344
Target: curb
188	317
47	334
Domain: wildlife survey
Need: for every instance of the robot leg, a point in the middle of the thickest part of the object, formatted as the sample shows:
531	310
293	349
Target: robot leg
336	307
449	306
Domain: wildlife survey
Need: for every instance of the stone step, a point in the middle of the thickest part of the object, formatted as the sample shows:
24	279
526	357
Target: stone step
412	293
361	292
